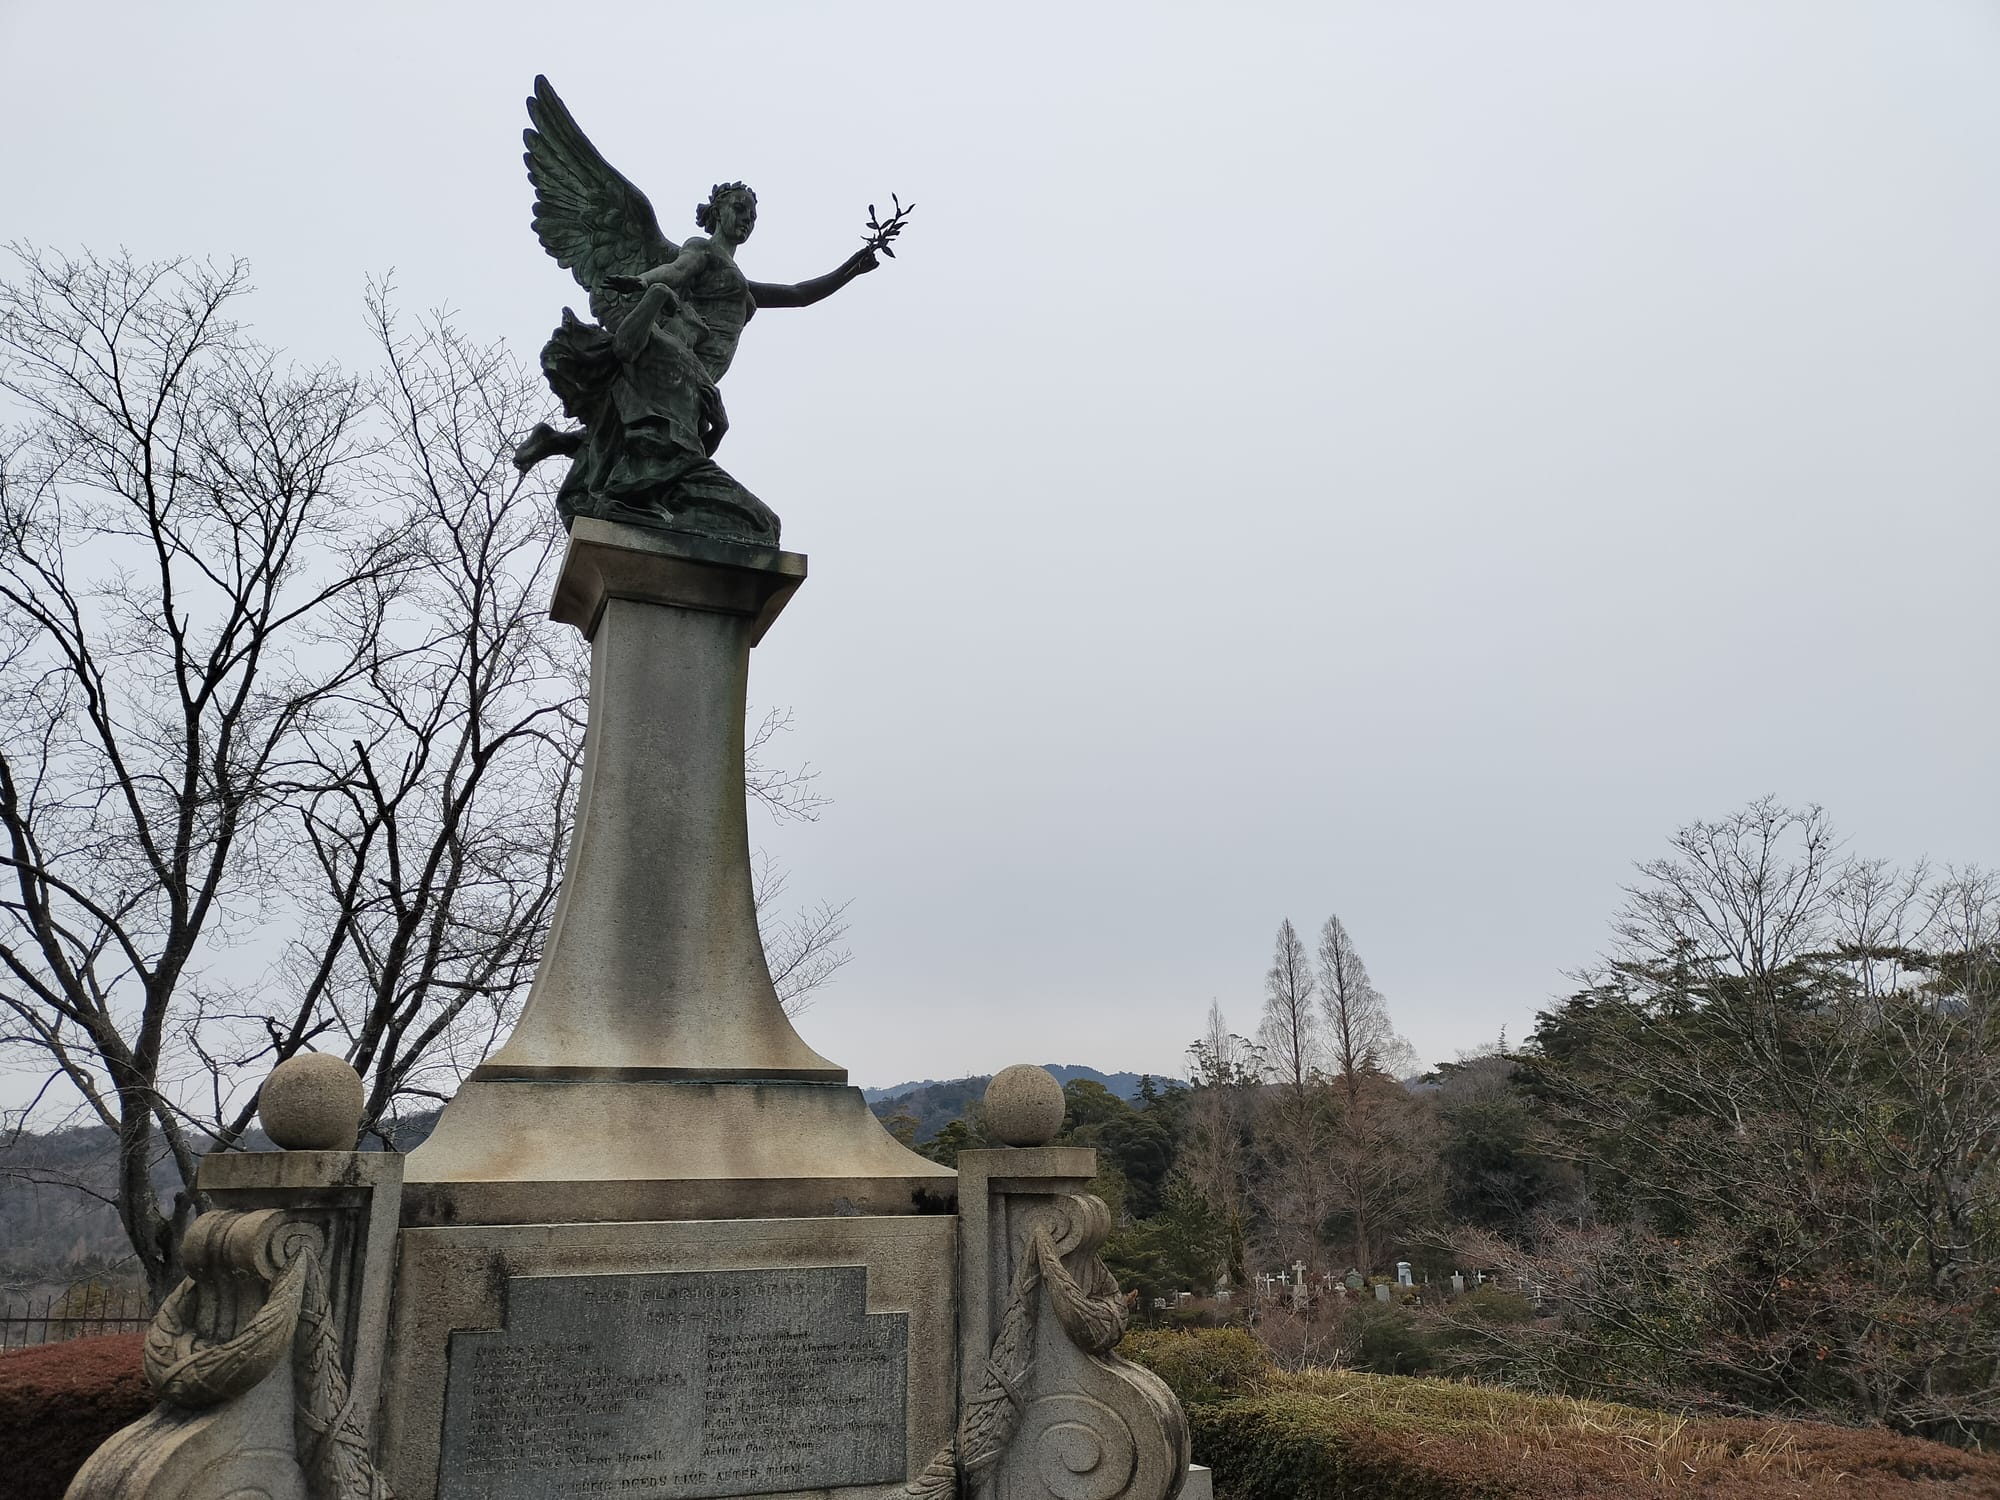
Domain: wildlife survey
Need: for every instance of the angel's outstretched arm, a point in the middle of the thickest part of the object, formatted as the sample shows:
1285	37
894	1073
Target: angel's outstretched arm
806	293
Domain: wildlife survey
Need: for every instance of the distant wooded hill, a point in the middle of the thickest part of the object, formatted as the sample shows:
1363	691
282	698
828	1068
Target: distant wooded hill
935	1103
57	1225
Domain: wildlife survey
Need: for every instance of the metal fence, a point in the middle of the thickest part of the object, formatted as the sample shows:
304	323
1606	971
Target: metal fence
72	1315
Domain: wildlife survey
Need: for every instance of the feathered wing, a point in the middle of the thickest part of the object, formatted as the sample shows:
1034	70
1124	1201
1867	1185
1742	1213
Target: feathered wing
587	215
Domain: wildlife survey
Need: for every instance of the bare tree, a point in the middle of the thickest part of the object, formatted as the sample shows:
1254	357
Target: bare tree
1375	1178
803	949
178	541
274	660
1289	1030
1293	1181
433	811
1785	1091
1360	1039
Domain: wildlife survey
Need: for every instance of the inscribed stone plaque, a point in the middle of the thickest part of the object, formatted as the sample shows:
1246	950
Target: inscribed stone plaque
679	1384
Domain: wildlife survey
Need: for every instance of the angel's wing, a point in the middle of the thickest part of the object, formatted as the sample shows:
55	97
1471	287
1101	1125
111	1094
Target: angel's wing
587	215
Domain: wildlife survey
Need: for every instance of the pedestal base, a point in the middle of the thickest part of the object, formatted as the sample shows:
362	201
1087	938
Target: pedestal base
679	1360
563	1152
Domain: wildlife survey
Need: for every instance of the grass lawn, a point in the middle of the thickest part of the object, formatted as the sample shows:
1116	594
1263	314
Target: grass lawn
1273	1435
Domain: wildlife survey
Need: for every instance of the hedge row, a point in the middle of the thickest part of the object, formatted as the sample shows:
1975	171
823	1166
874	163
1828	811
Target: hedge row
1333	1435
58	1402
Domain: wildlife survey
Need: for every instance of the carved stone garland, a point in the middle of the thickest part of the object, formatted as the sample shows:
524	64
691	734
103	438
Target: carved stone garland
256	1290
1092	1314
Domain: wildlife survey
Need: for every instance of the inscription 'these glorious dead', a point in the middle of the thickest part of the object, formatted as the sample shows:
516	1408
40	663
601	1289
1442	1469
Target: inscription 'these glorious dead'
677	1385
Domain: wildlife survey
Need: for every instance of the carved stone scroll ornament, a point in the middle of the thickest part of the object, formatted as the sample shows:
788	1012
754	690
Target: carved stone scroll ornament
989	1417
255	1293
1067	1416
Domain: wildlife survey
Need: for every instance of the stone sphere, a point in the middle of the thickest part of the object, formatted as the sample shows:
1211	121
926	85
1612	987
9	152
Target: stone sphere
312	1102
1024	1105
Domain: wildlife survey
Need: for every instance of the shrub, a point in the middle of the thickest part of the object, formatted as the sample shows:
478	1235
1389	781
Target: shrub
1200	1364
59	1401
1331	1435
1489	1304
1388	1340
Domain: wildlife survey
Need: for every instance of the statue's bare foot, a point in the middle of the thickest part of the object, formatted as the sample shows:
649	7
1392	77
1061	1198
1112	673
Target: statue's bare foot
545	442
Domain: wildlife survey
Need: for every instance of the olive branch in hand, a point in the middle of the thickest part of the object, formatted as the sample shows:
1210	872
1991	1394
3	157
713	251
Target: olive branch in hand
880	234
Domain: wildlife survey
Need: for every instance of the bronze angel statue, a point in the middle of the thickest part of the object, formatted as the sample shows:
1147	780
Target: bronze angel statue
642	377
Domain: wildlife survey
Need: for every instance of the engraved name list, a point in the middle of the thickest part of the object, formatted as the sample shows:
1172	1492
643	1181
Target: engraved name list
678	1385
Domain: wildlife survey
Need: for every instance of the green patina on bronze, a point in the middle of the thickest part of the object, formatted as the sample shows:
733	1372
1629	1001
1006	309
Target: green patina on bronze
642	377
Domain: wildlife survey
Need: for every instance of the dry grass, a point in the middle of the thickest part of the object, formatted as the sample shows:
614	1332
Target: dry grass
1328	1434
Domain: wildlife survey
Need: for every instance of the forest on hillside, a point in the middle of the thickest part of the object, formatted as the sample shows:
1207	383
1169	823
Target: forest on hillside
1750	1165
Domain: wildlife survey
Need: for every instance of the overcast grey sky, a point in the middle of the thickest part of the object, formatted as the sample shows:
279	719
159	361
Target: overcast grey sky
1401	459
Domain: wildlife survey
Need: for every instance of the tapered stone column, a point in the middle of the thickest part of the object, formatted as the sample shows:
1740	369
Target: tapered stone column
653	1072
654	968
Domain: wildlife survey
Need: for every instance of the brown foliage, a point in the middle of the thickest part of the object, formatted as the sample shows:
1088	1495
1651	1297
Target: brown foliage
1324	1434
59	1401
1317	1434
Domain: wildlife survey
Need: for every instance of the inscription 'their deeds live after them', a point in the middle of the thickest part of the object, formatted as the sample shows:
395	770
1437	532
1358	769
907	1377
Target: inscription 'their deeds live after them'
678	1384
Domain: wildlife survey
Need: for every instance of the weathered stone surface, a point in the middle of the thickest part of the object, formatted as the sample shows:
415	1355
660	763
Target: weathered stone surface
1024	1105
681	1385
528	1153
312	1102
653	1073
458	1281
243	1448
248	1359
355	1197
654	967
606	561
1082	1424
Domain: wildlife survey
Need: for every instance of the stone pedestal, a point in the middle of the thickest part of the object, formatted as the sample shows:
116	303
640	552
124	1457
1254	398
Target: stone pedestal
654	969
1051	1411
656	1245
724	1273
653	1073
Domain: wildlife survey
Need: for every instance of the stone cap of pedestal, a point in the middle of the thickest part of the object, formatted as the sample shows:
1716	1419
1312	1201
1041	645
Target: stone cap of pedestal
300	1171
608	561
513	1152
1030	1169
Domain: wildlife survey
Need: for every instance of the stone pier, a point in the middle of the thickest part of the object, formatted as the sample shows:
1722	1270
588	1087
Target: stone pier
656	1245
